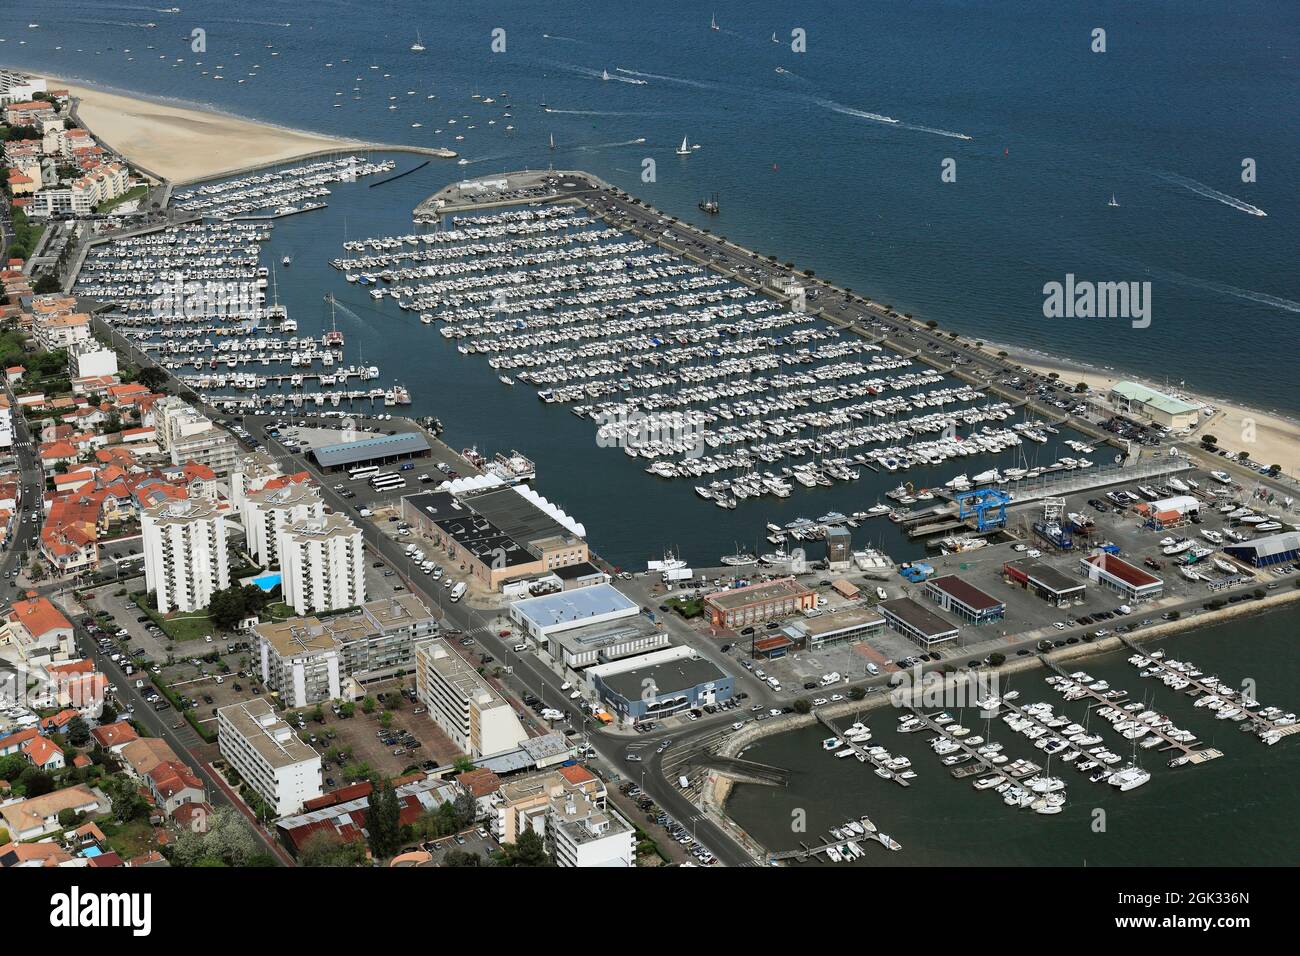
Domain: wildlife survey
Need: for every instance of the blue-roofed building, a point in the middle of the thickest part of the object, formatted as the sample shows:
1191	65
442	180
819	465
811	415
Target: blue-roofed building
1282	548
380	450
541	617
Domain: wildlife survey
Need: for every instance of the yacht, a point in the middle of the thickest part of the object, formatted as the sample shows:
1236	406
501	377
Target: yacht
286	262
1130	778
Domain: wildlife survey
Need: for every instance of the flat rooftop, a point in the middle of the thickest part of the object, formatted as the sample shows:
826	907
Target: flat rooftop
965	593
597	637
276	742
1047	576
823	624
917	616
733	598
367	449
576	605
668	678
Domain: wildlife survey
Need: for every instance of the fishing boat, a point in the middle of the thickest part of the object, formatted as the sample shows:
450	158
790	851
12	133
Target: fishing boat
710	205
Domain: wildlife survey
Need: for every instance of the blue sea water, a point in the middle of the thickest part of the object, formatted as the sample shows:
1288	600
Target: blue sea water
807	165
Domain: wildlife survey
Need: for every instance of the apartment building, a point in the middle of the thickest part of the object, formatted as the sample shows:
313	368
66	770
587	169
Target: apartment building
477	719
266	752
308	660
265	513
185	557
322	564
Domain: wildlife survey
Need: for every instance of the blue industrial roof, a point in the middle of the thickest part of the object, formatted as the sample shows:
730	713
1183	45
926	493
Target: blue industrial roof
575	605
352	452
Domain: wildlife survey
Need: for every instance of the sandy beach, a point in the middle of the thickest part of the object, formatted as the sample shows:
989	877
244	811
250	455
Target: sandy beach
184	144
1267	437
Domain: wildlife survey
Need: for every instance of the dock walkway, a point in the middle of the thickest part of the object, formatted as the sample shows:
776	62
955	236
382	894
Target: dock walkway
1260	723
861	752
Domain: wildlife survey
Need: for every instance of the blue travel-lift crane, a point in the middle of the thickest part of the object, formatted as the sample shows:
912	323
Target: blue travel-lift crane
988	505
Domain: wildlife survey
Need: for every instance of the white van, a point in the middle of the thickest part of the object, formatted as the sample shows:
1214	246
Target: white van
458	592
575	695
566	686
873	670
520	648
684	783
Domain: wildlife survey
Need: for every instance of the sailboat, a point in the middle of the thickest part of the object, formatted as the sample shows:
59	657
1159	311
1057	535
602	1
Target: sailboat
417	46
604	74
1113	204
333	339
713	23
684	149
552	141
774	39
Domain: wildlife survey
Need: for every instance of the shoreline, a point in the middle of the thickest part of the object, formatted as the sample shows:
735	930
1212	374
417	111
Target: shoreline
1276	433
718	787
183	142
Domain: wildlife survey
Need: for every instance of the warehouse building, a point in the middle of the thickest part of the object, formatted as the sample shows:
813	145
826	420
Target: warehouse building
1048	583
1281	548
660	684
918	622
758	603
502	534
605	642
1146	403
839	627
382	450
964	600
1117	574
552	614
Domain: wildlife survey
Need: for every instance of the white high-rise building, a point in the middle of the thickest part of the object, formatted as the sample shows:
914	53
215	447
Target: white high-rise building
468	710
267	753
266	512
185	558
322	564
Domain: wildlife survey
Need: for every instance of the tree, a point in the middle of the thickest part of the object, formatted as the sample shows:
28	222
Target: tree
78	732
324	848
857	693
931	324
997	659
527	850
383	825
228	841
226	609
368	704
463	764
461	858
108	715
1208	439
152	378
47	283
802	706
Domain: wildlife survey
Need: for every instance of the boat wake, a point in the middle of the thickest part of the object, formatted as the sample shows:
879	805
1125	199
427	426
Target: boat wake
1209	285
604	112
698	84
627	142
1211	193
556	36
600	75
936	132
860	114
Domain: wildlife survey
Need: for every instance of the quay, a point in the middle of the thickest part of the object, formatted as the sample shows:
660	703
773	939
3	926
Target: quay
861	752
806	852
983	762
1260	724
1190	749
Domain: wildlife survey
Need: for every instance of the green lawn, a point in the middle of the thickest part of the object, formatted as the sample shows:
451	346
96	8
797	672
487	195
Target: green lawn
128	839
179	625
135	192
